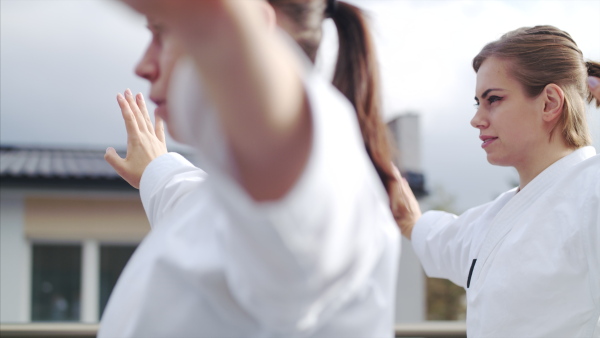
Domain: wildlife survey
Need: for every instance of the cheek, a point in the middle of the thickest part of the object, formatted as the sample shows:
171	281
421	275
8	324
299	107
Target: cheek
171	54
173	132
167	69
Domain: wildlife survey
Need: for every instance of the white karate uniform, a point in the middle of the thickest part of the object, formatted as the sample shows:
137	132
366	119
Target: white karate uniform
320	262
537	252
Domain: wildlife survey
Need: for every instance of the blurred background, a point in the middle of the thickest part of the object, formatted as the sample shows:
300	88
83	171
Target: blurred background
63	62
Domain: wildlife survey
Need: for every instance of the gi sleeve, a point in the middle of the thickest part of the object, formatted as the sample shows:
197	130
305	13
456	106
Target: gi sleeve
294	262
443	243
167	180
591	225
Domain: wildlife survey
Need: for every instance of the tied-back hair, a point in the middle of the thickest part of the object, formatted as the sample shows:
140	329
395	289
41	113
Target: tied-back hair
356	72
542	55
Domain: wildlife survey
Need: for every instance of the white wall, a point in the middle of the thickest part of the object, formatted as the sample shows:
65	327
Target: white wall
14	261
407	134
410	292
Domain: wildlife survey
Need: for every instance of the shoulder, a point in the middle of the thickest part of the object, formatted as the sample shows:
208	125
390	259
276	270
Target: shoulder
583	177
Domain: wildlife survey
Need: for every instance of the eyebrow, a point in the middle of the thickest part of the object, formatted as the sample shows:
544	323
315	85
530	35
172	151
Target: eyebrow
485	94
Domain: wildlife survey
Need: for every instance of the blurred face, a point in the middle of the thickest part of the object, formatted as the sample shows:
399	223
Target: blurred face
156	66
510	124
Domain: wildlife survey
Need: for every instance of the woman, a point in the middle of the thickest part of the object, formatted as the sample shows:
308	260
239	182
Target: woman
356	76
291	235
529	260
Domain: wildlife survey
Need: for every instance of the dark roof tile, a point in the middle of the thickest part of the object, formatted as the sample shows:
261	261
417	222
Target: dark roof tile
54	163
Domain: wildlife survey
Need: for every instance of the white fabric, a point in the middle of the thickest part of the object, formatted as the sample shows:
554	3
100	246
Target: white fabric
537	272
320	262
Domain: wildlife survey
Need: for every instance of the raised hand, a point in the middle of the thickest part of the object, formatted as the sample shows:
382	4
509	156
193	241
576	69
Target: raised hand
405	208
145	142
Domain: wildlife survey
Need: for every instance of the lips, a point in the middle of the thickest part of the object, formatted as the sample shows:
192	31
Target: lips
487	140
161	109
156	101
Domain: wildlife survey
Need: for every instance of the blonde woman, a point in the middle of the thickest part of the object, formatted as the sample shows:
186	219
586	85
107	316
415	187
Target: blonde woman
529	260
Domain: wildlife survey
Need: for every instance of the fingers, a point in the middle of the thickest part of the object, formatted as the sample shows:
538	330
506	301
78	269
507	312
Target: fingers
135	113
594	84
113	159
404	205
139	116
131	124
141	104
159	128
120	165
406	188
396	172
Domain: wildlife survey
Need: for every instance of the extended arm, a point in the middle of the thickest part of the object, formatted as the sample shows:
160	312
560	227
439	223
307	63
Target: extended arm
253	80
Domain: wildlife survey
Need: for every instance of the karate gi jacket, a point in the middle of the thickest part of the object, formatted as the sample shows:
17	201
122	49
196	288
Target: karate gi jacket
529	261
320	262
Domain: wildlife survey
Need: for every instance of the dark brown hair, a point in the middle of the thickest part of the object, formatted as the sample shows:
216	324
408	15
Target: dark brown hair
542	55
356	72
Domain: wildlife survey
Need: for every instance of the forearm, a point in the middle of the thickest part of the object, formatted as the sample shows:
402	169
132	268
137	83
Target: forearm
254	81
165	187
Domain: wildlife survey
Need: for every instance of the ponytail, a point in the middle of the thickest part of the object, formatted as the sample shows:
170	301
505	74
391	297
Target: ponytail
356	72
593	69
357	77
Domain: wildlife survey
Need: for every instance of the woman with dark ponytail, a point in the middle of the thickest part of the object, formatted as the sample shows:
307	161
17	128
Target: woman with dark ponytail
290	234
529	260
356	72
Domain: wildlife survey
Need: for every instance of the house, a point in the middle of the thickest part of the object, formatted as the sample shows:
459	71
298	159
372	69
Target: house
68	225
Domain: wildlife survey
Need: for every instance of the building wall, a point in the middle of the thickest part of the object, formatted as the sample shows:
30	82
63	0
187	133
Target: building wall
91	219
410	292
84	218
14	260
407	135
410	297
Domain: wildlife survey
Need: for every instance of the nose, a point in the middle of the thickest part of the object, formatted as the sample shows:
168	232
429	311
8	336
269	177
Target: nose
147	67
479	121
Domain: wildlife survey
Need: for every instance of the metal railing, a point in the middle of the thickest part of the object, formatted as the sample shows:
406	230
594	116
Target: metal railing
80	330
446	329
46	330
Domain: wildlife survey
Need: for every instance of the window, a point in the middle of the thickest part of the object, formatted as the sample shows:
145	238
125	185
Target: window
60	290
112	261
56	282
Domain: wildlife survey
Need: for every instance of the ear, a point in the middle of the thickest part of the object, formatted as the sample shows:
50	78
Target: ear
554	99
269	14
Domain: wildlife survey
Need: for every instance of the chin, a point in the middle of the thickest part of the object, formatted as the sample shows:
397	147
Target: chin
495	160
173	134
162	112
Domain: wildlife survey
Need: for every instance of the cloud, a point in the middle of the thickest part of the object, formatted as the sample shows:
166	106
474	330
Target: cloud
426	49
63	61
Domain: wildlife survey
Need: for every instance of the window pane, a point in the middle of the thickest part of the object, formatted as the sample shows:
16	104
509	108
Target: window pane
56	282
112	261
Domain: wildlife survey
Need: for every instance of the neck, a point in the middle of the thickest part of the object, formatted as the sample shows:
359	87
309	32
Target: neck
539	162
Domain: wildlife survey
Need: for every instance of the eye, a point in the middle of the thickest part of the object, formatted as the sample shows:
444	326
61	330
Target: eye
494	98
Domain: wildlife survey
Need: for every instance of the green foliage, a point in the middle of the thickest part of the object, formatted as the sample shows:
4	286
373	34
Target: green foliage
445	300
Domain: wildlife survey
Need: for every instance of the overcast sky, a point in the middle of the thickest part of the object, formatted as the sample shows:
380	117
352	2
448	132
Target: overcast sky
63	61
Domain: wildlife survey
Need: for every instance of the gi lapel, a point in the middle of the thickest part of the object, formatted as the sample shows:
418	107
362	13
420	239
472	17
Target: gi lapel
502	224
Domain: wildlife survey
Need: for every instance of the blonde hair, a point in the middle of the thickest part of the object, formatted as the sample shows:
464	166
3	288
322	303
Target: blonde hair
542	55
